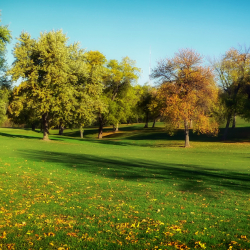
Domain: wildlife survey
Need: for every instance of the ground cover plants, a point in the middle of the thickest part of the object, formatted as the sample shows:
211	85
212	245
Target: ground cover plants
135	189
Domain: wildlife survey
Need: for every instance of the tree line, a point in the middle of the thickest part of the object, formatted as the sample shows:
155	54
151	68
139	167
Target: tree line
62	85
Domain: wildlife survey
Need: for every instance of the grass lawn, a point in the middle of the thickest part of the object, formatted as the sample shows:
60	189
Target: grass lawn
136	189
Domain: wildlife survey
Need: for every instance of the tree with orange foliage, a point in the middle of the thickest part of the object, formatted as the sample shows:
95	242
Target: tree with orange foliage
189	93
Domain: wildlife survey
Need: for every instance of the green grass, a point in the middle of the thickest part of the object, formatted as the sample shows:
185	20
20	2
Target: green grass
136	189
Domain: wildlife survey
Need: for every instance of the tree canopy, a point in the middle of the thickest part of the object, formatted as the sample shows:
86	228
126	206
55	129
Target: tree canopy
49	69
5	38
64	85
117	84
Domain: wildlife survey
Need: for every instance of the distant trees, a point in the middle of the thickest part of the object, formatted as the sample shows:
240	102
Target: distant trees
144	102
63	85
155	106
233	73
148	105
189	92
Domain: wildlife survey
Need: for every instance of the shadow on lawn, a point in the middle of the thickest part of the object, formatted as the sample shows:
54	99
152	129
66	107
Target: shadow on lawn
190	178
158	137
25	136
240	134
136	135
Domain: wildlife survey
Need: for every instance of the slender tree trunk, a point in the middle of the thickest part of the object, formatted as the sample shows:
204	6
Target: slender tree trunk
100	127
81	131
186	134
227	127
61	128
234	121
137	119
113	127
146	124
117	127
154	123
45	127
33	126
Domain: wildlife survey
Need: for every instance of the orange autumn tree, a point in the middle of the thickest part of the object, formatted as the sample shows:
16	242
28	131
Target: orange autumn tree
189	93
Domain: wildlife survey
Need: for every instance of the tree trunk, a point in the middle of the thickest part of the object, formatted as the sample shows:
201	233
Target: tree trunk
81	131
117	127
45	127
226	129
146	124
33	126
234	120
153	123
100	127
61	128
186	134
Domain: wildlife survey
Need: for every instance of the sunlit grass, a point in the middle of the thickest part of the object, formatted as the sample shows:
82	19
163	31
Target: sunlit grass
138	190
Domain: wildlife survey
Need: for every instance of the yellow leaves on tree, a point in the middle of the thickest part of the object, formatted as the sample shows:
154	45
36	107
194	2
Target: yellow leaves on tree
189	93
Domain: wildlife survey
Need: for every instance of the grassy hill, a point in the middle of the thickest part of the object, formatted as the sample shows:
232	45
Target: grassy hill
136	189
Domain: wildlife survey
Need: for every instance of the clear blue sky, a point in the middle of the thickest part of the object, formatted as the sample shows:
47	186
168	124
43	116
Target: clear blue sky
120	28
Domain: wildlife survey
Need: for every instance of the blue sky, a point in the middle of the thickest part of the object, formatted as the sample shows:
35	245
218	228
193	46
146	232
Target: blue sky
120	28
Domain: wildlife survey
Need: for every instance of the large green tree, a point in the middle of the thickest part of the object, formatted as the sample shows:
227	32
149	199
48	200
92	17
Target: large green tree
50	70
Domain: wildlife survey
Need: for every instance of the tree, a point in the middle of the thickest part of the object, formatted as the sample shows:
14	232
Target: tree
5	38
233	72
89	89
155	106
129	103
144	102
246	104
4	93
117	82
49	70
26	116
188	91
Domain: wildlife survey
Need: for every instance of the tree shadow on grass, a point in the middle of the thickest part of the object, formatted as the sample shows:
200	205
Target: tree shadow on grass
237	134
157	137
26	136
188	177
138	136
